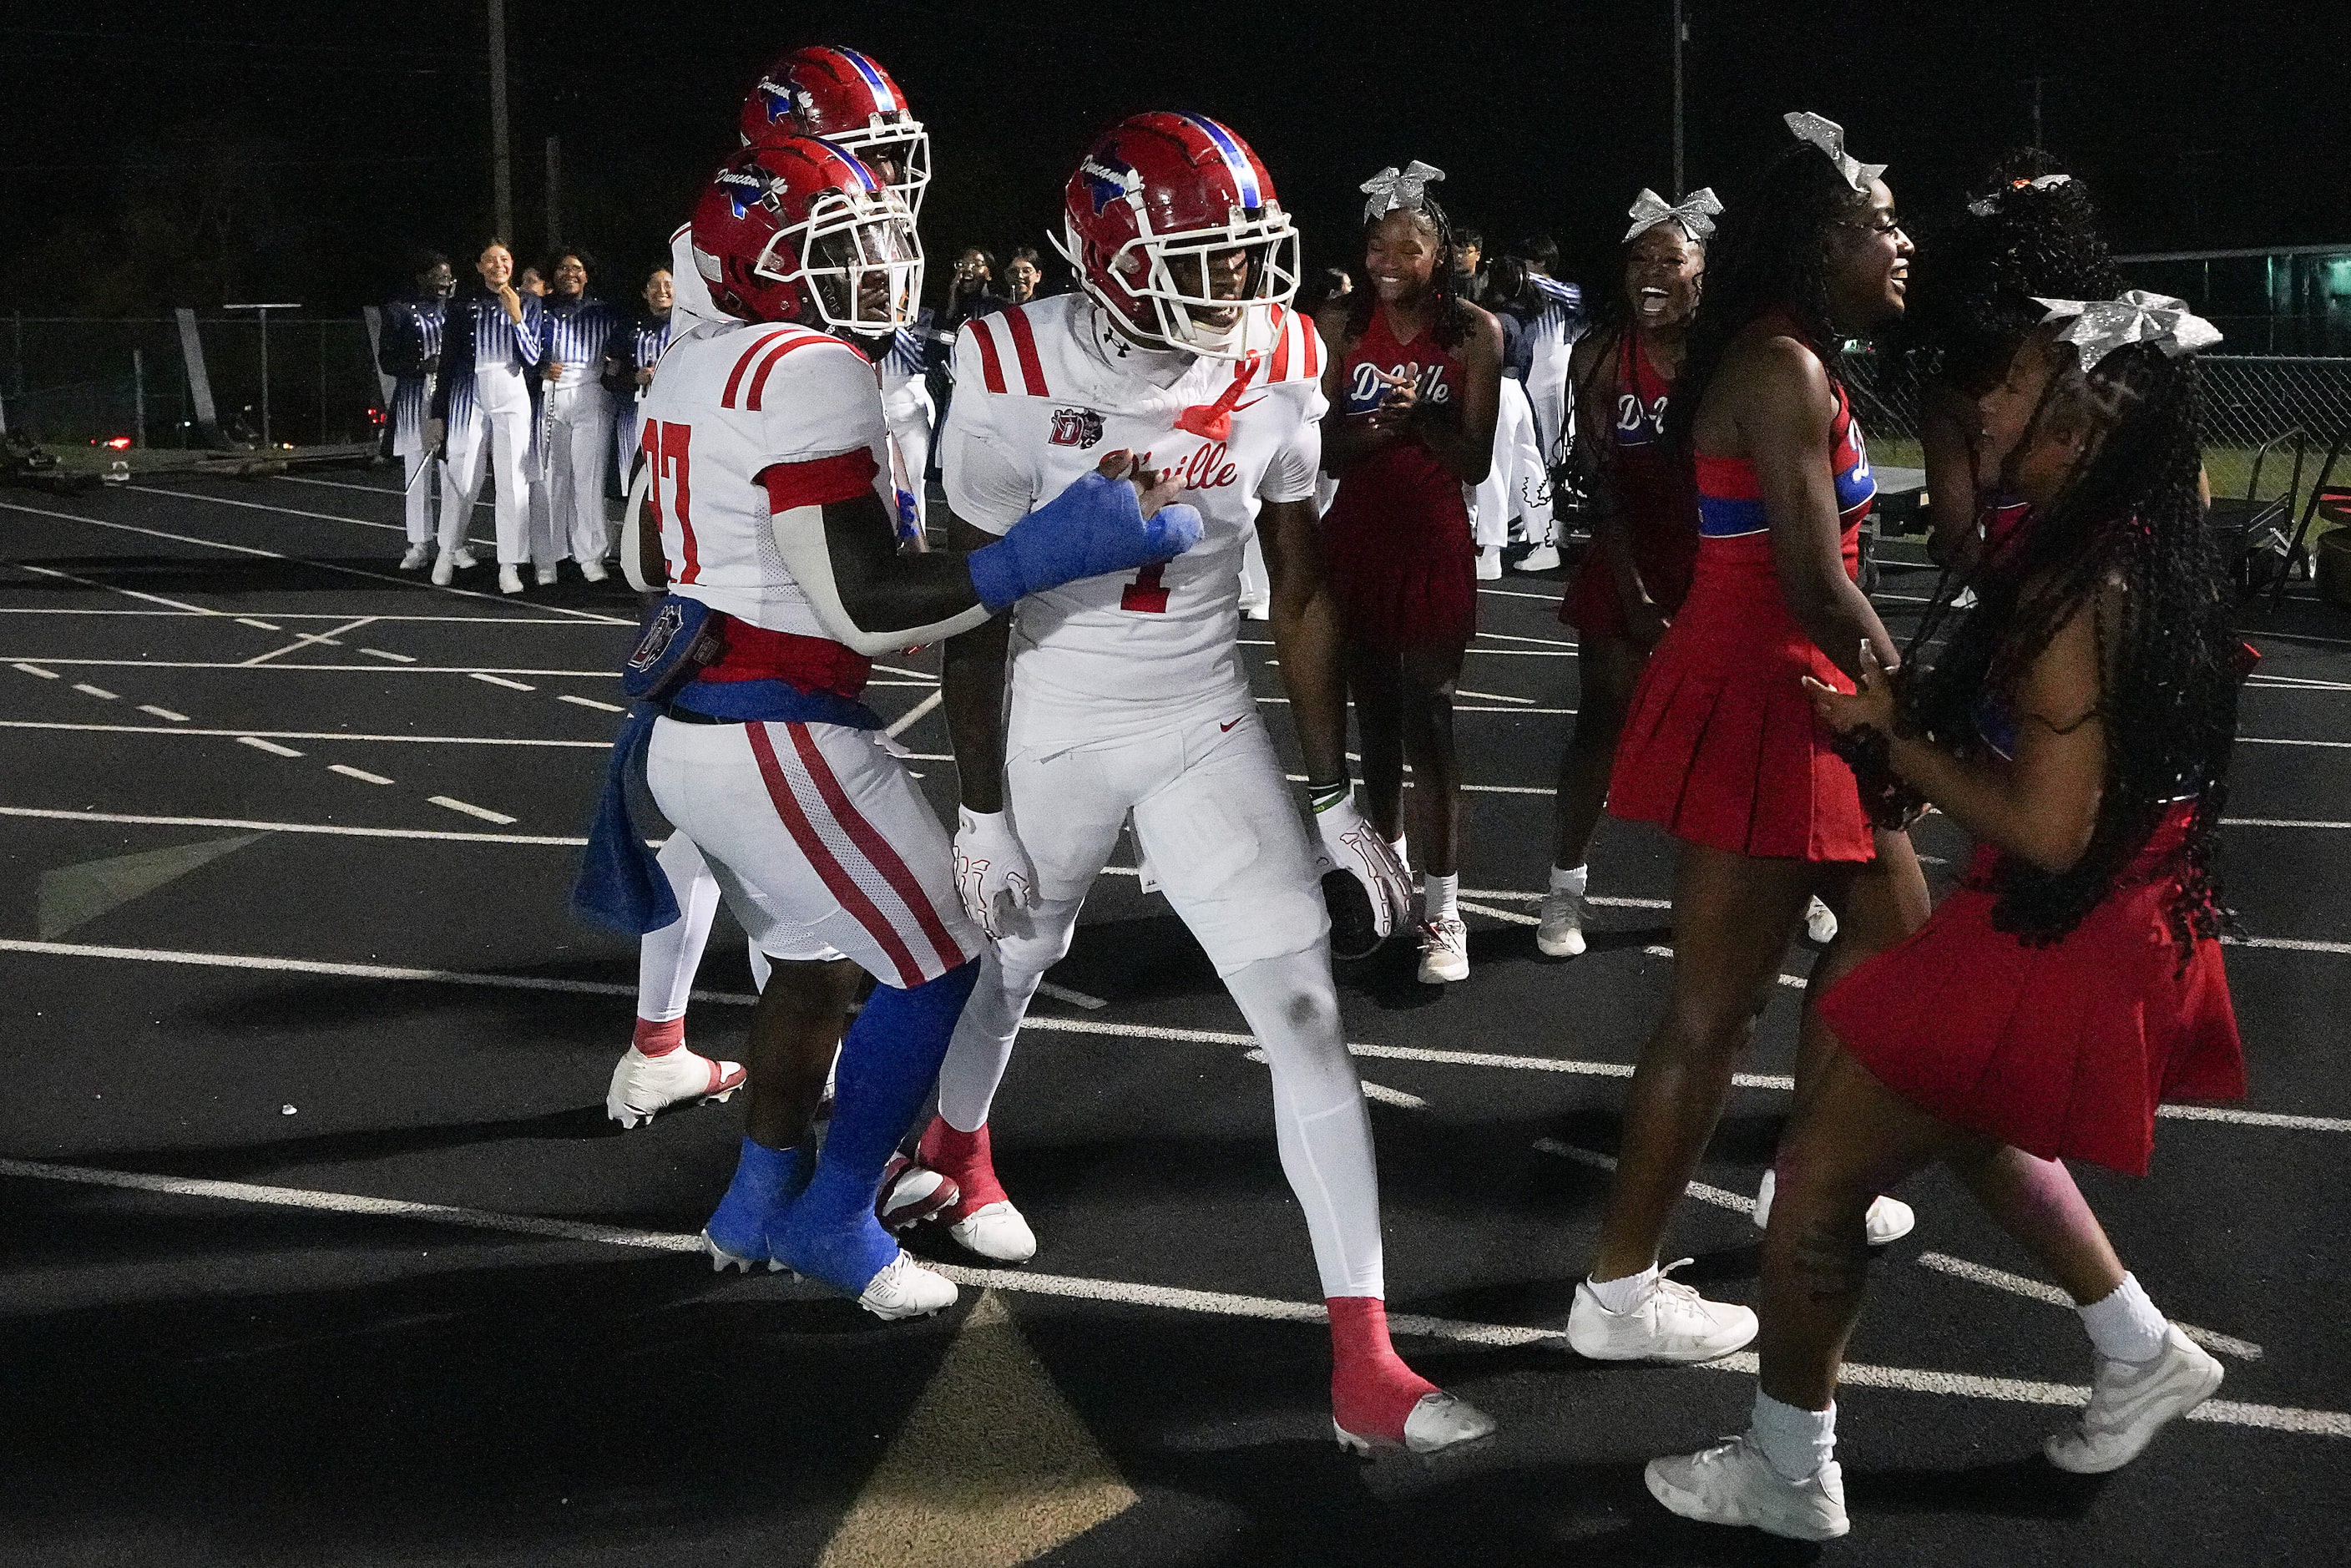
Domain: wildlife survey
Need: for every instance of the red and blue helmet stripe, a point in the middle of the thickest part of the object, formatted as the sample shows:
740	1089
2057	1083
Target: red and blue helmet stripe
1236	157
883	98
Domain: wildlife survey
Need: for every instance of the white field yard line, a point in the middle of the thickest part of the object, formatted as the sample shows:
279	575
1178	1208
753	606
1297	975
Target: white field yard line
1705	1192
2041	1290
306	734
2231	1413
181	605
330	830
1661	951
1766	1081
478	672
1379	1091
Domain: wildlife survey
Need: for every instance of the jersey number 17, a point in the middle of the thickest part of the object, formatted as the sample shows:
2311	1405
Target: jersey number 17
668	450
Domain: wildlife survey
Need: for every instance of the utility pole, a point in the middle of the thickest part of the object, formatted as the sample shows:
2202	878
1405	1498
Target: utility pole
501	148
1681	35
261	314
2036	112
554	194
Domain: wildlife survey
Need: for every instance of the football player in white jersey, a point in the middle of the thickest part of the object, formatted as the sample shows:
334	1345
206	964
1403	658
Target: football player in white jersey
1131	696
848	99
763	474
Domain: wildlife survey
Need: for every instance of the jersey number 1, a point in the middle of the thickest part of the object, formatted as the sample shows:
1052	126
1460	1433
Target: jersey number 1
1145	595
668	450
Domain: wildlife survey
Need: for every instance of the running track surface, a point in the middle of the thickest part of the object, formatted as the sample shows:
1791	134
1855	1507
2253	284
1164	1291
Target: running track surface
318	1246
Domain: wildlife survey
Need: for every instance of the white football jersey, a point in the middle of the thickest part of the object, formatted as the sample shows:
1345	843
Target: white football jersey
731	403
1042	392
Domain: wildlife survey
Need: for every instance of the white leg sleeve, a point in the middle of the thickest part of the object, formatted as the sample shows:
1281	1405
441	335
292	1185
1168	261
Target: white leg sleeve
667	958
1318	1119
1010	971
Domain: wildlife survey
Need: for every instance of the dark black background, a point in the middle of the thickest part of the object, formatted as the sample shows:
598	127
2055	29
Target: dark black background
164	156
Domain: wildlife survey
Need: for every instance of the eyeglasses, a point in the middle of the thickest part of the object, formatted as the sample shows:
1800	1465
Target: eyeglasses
1892	226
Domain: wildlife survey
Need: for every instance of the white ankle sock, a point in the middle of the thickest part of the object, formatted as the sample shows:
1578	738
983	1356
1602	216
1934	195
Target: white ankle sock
1795	1442
1625	1294
1442	895
2125	1326
1403	851
1563	880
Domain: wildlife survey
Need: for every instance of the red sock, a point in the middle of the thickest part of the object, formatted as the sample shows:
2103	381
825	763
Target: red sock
965	1157
1372	1390
660	1038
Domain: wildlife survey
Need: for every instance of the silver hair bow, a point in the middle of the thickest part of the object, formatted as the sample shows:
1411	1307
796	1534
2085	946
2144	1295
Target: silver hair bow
1694	213
1829	137
1391	188
1984	206
2101	325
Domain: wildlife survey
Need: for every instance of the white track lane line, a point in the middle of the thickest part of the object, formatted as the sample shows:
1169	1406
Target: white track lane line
306	735
914	715
1378	1092
164	712
390	577
329	829
489	680
258	624
2039	1291
450	803
179	604
361	774
1070	995
2228	1412
308	640
590	702
35	670
259	743
100	692
1661	951
407	668
199	613
384	654
1705	1192
1765	1081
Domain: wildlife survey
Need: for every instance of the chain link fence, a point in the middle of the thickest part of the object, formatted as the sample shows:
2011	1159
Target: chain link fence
71	380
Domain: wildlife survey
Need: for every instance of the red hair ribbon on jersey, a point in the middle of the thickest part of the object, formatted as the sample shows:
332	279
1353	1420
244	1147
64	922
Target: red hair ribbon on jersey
1213	420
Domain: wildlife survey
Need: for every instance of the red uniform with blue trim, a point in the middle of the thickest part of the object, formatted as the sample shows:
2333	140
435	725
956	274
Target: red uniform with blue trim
1654	505
1721	745
1396	545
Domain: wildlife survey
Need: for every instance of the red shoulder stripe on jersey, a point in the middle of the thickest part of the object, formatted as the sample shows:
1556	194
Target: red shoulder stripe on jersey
842	477
877	850
1281	324
1024	343
820	855
759	382
743	366
991	368
1313	336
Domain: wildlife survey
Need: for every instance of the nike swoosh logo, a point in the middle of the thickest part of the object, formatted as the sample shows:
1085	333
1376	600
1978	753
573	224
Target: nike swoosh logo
1226	729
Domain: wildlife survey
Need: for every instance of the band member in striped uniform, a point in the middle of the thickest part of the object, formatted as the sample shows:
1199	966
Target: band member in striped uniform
411	357
628	369
580	329
778	544
906	403
483	407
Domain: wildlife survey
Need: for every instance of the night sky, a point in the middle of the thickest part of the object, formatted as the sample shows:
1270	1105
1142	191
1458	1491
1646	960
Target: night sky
187	155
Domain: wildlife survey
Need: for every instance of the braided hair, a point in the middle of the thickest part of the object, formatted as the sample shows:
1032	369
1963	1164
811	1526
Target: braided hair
2129	518
1972	290
1769	256
1449	323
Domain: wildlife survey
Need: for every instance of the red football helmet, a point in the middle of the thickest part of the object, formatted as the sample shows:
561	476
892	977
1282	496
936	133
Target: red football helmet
1156	202
845	97
800	231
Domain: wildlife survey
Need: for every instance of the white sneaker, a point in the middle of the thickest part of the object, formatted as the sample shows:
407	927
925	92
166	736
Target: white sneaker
1675	1324
1443	951
1439	1422
593	571
1820	924
1890	1218
2129	1402
996	1230
415	559
1733	1484
1542	558
444	570
644	1085
466	560
904	1288
1560	935
509	580
545	575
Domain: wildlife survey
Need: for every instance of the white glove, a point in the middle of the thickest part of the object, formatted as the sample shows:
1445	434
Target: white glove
993	872
1352	845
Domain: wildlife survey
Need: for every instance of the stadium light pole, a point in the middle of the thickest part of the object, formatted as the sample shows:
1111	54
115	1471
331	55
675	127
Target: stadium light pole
1681	35
501	149
261	314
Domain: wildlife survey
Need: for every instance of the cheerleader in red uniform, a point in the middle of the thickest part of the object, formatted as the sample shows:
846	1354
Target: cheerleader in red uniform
1633	579
2078	723
1719	745
1414	384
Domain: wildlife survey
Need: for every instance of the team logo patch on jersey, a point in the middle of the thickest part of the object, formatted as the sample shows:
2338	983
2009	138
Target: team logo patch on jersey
1079	427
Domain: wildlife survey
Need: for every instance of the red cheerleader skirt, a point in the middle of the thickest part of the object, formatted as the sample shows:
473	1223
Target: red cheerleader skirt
2063	1050
1663	550
1720	746
1402	566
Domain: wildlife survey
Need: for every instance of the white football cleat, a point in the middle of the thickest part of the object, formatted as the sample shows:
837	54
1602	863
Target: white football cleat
644	1085
904	1288
1819	923
2130	1401
1890	1218
415	559
1440	1421
1542	558
465	559
997	1231
1443	951
1733	1484
1560	935
1675	1324
912	1193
